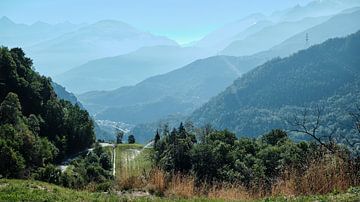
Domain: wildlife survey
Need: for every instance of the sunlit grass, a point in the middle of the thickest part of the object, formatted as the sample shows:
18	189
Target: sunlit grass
132	166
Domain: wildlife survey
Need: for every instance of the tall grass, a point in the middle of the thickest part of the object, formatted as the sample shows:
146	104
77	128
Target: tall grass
327	174
181	185
131	171
324	175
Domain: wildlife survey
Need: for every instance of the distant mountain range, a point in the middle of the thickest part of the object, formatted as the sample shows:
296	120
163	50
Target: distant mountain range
238	30
128	69
220	38
182	90
318	34
179	91
270	36
251	36
15	34
314	8
326	75
347	20
81	56
58	48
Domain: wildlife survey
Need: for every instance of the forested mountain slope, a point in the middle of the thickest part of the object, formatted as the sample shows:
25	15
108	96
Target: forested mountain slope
326	75
36	127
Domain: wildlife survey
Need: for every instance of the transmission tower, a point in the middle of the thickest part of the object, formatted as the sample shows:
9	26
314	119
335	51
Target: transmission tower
307	40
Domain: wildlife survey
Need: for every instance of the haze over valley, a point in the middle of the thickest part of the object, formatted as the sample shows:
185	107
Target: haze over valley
127	100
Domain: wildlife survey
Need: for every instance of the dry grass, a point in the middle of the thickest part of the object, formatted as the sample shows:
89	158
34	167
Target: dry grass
156	182
324	175
327	173
228	192
181	185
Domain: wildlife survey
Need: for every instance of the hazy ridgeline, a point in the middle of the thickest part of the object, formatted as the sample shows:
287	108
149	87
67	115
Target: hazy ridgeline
265	108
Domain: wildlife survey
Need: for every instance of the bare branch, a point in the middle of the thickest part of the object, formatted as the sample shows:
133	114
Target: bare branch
305	126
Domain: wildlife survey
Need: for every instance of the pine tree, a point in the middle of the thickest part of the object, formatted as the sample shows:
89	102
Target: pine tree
131	139
10	110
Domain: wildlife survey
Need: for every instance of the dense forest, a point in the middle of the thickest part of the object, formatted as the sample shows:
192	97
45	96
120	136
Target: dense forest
37	129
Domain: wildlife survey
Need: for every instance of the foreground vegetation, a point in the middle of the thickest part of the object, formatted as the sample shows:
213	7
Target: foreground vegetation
27	190
133	165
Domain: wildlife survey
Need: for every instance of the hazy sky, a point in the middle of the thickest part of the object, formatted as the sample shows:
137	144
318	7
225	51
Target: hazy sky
181	20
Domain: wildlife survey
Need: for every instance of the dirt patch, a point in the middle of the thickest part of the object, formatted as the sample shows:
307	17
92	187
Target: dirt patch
133	194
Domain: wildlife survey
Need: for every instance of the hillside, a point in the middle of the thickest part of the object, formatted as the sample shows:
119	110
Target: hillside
265	38
128	69
318	34
218	39
325	75
62	93
347	20
179	91
36	127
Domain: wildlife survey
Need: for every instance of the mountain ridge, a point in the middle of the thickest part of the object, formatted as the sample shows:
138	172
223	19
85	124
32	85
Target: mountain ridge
267	92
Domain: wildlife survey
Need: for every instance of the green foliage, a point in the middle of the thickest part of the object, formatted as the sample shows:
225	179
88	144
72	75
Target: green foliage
92	167
172	152
221	157
36	128
10	110
49	173
12	163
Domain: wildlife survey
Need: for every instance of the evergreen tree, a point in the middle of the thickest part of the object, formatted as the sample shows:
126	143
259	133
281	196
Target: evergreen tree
157	137
10	110
131	139
119	136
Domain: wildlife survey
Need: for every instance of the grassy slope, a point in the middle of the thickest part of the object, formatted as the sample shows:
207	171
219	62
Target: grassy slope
26	190
125	166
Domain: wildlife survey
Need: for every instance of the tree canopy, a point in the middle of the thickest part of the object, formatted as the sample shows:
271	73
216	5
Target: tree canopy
36	127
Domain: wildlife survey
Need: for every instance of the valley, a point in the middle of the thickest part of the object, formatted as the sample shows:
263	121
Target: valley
180	101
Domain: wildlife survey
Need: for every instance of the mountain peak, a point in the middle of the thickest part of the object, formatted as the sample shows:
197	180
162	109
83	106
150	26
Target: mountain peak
5	20
40	24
